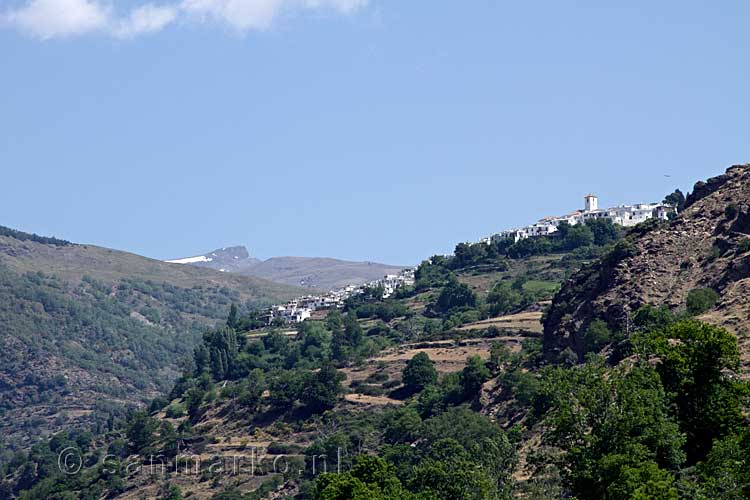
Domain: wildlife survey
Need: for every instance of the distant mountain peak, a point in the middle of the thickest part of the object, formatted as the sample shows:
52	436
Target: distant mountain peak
226	259
235	253
314	272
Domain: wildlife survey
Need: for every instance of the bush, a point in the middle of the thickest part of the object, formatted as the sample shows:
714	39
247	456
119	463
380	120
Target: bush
731	211
597	336
701	300
377	378
369	390
175	411
282	449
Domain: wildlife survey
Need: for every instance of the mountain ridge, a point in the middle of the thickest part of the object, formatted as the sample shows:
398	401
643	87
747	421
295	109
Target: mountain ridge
323	273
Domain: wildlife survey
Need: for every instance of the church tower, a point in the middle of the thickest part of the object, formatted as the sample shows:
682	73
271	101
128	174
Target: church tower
592	203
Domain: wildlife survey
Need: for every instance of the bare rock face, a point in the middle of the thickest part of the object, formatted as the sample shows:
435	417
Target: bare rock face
706	246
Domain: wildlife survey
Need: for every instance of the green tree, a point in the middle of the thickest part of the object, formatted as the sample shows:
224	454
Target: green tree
611	424
503	299
696	370
455	296
315	341
453	478
223	347
473	376
346	342
650	318
371	478
700	300
725	474
402	425
604	231
193	402
285	388
252	389
323	389
141	431
419	373
578	236
233	318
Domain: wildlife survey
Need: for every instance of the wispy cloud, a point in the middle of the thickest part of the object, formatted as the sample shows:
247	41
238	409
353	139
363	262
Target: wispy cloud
145	19
47	19
59	18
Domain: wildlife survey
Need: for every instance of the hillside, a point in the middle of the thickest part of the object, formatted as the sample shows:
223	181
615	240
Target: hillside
445	390
85	330
706	249
254	391
311	272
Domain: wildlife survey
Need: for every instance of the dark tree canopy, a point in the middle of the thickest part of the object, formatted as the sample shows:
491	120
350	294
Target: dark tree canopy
419	373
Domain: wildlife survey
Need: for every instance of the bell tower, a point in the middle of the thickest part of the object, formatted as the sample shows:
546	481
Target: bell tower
592	202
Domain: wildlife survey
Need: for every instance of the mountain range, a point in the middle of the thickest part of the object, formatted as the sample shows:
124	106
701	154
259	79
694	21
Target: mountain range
311	272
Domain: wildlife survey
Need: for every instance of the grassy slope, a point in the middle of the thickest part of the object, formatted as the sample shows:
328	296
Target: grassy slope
73	262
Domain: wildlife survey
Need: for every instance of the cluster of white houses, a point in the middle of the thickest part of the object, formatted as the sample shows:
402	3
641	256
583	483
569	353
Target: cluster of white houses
624	215
298	310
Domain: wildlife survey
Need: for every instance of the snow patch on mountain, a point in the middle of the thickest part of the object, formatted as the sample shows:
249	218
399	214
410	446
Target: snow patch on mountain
191	260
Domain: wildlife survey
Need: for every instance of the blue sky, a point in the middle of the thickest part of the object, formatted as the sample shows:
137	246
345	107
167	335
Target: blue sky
370	130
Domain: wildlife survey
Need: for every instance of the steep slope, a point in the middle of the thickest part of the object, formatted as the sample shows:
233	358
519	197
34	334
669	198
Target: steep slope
311	272
85	329
706	246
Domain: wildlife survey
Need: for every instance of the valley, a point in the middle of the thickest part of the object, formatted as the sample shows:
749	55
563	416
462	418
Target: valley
602	362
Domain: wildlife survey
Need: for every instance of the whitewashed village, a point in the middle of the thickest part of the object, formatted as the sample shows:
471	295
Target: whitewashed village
623	215
302	308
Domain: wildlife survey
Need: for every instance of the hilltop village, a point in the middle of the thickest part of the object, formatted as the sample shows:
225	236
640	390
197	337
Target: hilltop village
302	308
623	215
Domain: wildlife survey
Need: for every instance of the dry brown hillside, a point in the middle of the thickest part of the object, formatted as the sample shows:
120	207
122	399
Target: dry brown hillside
706	246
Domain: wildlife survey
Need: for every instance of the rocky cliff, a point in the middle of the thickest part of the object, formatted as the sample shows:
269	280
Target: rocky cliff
706	246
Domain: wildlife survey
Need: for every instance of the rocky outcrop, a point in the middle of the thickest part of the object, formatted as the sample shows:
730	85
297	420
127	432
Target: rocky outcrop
706	246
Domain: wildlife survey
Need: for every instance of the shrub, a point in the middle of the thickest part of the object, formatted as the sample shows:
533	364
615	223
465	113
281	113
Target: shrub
282	448
731	211
175	410
597	336
377	377
701	300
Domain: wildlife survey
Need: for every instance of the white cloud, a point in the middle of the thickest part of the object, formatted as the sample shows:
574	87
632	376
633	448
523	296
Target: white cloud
146	19
59	18
239	14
